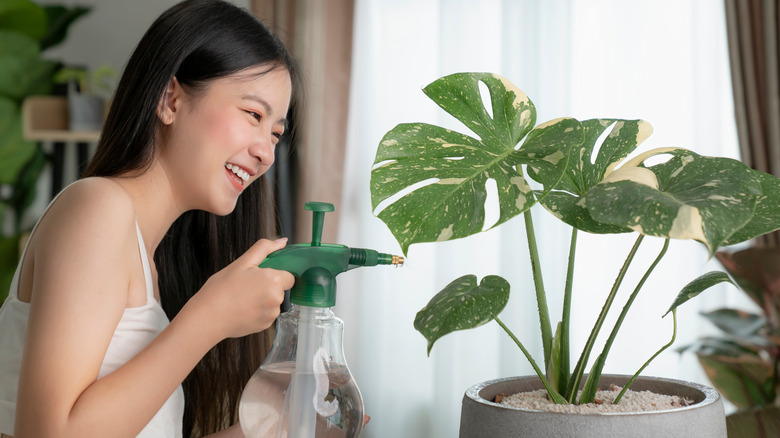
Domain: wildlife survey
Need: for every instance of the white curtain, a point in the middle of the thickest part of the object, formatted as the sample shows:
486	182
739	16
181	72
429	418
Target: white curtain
663	61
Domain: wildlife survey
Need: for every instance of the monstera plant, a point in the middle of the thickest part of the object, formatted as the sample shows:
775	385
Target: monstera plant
437	180
26	29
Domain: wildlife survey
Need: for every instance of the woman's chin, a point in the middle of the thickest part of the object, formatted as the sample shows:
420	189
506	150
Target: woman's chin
224	208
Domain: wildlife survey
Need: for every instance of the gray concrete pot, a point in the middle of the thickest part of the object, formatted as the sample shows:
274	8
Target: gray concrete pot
483	418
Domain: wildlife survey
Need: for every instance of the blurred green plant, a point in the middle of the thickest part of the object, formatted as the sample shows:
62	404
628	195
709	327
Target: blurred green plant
99	82
743	362
26	30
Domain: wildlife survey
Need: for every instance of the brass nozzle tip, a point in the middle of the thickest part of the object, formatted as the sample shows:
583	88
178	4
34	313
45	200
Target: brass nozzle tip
398	260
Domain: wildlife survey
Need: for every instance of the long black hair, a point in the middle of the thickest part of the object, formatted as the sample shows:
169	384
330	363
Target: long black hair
196	41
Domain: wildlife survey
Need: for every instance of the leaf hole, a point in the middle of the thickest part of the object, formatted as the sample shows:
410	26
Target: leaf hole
484	93
657	159
600	142
492	206
382	163
406	190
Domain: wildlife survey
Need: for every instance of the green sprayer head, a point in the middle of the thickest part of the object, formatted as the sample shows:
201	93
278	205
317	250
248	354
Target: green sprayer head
316	265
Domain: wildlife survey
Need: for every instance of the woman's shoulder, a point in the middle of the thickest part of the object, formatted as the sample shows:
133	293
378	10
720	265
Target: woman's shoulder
97	194
93	203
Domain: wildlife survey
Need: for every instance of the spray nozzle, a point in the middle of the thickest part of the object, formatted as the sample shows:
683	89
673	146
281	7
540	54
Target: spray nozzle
316	265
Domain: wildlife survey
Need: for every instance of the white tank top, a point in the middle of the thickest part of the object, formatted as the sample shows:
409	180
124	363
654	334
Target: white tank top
136	329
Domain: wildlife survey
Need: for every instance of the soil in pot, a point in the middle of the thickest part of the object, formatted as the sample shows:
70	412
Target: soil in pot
632	401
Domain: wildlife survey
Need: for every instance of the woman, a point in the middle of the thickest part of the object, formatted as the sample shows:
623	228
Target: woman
192	126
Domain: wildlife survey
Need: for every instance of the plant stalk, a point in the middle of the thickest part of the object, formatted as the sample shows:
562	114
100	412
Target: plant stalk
674	336
541	297
555	396
563	377
579	370
598	367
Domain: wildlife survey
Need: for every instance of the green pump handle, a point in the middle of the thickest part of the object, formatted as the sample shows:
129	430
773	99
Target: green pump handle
315	265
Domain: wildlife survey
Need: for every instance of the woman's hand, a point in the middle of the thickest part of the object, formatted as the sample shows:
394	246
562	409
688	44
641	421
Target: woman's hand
243	298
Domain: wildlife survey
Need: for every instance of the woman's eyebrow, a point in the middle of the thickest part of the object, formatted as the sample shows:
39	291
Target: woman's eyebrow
265	104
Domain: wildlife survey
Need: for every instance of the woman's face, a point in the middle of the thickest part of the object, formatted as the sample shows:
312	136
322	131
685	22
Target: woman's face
222	139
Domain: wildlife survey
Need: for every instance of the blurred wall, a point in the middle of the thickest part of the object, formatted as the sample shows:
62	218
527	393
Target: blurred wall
106	35
109	33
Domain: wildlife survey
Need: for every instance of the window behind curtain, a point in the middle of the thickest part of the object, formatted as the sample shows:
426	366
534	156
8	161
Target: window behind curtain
664	61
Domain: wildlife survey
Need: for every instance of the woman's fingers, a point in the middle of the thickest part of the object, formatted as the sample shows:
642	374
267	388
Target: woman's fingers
260	250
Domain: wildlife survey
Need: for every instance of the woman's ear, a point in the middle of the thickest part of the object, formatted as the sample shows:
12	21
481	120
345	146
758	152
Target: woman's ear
169	102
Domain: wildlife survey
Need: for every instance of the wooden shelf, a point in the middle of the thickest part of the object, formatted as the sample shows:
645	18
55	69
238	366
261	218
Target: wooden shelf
45	118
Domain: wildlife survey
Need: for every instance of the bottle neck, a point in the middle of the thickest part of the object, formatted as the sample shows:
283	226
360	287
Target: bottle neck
319	313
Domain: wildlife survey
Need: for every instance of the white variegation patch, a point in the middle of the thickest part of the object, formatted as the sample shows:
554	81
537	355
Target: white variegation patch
445	234
639	175
520	97
549	123
639	159
685	160
554	158
520	183
449	181
688	225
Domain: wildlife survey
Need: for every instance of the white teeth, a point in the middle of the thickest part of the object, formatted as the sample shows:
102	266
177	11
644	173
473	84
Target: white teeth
238	171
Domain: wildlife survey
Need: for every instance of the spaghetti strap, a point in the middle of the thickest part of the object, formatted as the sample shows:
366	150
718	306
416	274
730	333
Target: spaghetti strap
147	267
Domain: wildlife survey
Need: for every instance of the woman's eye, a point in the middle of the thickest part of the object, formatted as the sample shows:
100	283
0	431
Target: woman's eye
278	135
257	116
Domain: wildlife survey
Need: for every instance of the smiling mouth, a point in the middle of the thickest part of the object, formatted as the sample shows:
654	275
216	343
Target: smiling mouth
240	173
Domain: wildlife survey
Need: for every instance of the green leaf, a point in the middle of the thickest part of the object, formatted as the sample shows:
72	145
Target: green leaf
740	379
24	188
24	17
736	322
22	71
760	422
592	383
585	171
721	346
698	286
434	179
462	305
688	197
14	150
9	258
557	375
757	272
766	217
60	19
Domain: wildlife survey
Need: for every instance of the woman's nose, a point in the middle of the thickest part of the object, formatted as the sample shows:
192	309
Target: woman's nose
263	150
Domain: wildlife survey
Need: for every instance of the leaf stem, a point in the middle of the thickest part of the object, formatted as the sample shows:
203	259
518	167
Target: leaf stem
541	297
579	370
555	396
563	377
599	365
674	336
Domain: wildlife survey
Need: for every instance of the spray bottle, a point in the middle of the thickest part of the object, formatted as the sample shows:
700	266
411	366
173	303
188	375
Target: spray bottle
304	389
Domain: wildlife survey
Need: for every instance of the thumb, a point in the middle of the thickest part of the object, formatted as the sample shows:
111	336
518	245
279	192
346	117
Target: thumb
260	250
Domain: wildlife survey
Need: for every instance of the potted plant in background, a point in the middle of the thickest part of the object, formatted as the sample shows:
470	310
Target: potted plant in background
430	182
87	95
744	361
26	29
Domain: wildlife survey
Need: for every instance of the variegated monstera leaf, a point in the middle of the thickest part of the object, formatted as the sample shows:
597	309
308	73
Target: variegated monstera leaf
585	170
714	200
445	172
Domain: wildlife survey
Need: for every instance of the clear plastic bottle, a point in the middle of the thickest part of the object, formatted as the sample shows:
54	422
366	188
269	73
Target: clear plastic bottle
304	388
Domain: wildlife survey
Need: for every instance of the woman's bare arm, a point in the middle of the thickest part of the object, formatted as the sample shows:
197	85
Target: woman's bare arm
82	271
